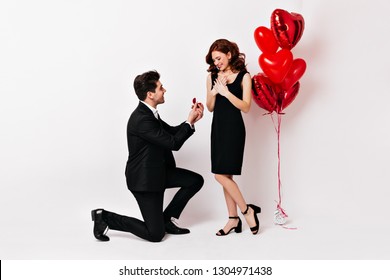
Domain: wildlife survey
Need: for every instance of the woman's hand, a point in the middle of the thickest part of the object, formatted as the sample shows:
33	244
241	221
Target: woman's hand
220	87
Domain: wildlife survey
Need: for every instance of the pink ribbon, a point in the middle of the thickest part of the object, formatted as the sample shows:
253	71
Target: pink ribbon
279	203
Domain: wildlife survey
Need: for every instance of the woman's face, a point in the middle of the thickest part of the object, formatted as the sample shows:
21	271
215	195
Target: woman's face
221	60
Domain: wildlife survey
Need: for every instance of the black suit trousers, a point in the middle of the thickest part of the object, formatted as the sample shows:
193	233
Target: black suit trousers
152	228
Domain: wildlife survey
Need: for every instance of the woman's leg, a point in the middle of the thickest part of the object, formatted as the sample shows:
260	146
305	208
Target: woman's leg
234	197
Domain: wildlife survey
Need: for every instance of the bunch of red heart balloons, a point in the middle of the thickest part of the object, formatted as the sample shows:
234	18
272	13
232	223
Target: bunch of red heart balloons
277	87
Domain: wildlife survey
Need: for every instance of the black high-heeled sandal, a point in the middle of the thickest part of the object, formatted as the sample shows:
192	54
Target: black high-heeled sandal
256	210
237	228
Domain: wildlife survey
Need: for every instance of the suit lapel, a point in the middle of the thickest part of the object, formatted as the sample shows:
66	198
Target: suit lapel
143	109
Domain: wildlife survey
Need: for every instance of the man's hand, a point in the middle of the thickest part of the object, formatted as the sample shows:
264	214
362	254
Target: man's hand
196	112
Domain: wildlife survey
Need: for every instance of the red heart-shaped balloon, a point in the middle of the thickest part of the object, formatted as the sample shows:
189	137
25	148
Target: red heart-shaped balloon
265	40
263	92
296	71
276	65
287	28
286	97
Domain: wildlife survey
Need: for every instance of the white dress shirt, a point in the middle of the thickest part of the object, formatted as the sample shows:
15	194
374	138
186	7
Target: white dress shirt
154	110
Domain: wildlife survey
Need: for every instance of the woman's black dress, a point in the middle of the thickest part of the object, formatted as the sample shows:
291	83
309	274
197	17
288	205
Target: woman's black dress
227	132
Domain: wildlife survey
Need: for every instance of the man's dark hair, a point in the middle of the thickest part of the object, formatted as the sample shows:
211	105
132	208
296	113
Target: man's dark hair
146	82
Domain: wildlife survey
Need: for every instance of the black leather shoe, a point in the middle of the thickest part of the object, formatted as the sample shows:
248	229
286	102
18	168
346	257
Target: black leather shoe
99	226
171	228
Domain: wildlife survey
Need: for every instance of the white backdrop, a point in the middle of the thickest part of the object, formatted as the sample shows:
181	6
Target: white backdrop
66	73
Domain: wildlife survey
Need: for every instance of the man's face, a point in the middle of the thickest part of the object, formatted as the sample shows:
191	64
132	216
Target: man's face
158	95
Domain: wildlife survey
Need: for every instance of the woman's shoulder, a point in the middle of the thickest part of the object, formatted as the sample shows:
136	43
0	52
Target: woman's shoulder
244	71
243	74
212	76
246	74
209	78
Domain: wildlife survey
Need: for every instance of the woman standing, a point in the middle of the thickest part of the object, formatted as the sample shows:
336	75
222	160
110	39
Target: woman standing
228	94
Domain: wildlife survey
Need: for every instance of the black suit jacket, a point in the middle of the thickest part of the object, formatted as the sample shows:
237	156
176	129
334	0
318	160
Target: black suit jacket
150	143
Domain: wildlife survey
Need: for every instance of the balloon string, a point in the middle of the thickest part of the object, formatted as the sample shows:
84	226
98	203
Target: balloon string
279	203
277	129
279	180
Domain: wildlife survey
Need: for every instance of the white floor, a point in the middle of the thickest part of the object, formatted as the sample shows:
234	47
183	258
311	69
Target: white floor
65	233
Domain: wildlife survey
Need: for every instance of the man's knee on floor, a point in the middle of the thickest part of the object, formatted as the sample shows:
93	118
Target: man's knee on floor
199	181
157	236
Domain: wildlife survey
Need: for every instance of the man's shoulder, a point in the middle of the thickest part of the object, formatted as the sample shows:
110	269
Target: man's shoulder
141	117
138	111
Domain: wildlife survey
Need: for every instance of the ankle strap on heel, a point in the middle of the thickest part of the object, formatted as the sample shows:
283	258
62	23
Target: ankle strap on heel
246	211
234	217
